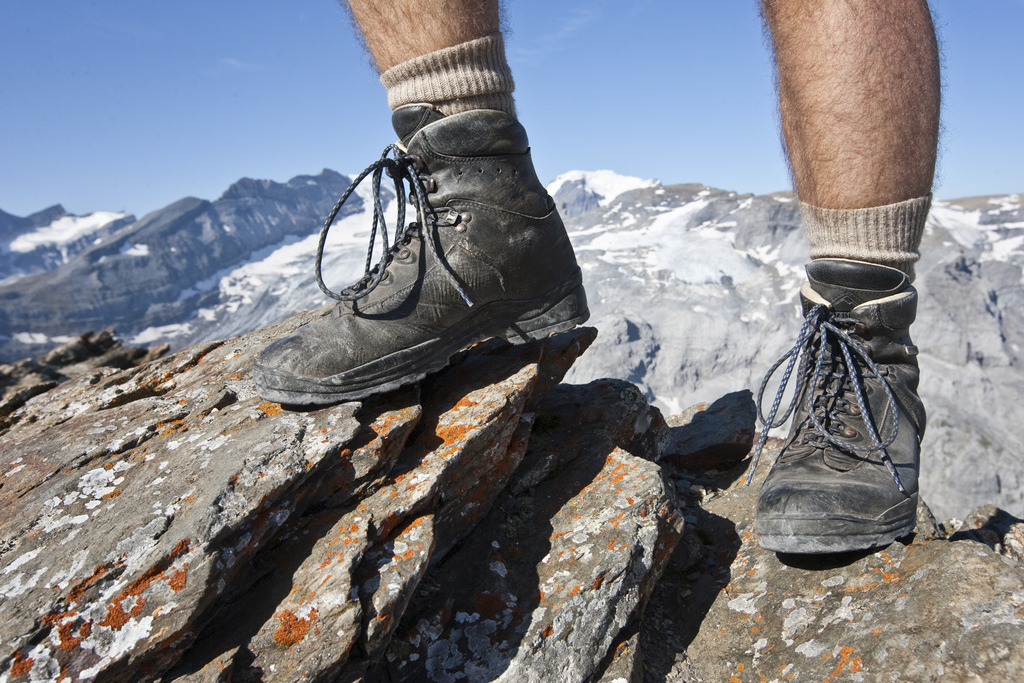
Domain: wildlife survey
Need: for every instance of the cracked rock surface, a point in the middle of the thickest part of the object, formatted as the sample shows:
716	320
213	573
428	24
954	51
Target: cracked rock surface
162	522
932	607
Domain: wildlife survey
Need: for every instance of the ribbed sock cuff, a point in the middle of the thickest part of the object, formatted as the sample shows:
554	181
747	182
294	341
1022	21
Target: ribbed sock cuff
889	235
471	75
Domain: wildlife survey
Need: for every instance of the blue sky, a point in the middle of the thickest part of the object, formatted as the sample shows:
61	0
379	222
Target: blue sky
118	105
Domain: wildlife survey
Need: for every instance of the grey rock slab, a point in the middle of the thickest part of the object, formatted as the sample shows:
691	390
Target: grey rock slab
577	420
552	576
324	600
135	497
924	611
354	586
626	665
713	435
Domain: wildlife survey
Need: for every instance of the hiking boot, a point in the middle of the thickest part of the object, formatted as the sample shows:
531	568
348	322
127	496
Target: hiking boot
488	256
846	478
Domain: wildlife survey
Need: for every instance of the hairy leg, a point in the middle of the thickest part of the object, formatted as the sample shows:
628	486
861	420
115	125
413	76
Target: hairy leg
396	31
859	89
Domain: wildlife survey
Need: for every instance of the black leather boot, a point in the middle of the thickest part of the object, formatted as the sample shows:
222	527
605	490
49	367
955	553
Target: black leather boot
488	256
847	476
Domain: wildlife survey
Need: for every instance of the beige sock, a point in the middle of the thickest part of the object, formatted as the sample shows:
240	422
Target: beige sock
471	75
889	235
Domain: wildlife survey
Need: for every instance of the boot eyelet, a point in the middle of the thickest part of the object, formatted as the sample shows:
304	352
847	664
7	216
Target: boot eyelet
386	277
461	227
850	432
466	216
855	410
403	254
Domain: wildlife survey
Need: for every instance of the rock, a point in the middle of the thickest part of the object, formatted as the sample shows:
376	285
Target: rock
916	610
133	498
712	436
89	351
927	529
996	528
163	522
559	570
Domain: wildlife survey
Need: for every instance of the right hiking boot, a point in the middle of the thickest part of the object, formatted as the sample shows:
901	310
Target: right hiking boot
847	476
488	256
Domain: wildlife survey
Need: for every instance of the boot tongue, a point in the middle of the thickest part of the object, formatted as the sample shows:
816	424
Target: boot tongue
848	284
408	120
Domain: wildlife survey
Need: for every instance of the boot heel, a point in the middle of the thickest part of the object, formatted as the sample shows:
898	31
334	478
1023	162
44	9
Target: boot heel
566	314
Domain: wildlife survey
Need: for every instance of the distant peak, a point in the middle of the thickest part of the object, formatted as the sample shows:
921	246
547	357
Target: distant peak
47	215
607	185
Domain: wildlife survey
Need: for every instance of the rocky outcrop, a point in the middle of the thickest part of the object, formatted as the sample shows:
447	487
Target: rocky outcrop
162	522
87	352
933	607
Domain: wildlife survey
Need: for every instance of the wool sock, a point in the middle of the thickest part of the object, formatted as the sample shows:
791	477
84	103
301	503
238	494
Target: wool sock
471	75
889	235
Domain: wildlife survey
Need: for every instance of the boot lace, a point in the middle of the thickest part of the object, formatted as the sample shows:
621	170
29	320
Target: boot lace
834	374
402	168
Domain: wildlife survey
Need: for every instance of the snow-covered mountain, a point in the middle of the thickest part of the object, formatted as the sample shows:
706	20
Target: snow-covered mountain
694	290
50	237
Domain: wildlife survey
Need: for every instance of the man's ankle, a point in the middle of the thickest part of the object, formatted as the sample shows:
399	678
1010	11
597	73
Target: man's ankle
888	235
471	75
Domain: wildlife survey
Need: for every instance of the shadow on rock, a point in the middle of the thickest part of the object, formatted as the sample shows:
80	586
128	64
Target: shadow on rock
561	568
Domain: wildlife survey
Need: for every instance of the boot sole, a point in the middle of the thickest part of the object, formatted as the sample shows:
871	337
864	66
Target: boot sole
835	533
514	321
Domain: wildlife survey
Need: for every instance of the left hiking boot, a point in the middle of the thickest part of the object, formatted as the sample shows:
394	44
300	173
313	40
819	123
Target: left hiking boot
846	478
486	256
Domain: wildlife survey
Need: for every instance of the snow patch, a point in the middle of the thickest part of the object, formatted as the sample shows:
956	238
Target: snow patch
129	249
606	184
31	338
152	334
64	230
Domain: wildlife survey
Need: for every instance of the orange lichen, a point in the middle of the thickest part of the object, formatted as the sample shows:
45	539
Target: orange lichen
113	494
574	590
844	659
270	408
292	629
453	433
548	631
76	593
116	616
176	581
21	664
169	427
140	603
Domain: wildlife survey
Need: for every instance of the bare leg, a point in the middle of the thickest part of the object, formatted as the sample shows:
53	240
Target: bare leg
396	31
859	98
